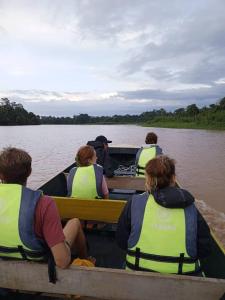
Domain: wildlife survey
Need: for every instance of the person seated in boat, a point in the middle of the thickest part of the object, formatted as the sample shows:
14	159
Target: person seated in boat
147	152
86	181
161	229
30	225
102	151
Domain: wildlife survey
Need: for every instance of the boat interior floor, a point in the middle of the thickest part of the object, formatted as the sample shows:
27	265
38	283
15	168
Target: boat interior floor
102	246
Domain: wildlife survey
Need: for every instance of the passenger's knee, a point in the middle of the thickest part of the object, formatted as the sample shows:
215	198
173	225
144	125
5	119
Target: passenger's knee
75	222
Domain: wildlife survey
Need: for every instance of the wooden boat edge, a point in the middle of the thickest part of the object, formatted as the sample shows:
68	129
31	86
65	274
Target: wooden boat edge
97	282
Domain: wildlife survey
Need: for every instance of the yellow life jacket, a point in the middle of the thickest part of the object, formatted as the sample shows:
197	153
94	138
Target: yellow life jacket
17	209
161	246
145	155
85	182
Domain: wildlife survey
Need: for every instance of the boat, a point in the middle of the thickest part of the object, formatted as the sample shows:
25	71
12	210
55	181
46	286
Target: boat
108	280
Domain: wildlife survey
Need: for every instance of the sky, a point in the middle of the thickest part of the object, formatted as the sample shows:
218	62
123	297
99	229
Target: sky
106	57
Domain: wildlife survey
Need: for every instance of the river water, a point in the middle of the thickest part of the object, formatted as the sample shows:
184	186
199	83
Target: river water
200	156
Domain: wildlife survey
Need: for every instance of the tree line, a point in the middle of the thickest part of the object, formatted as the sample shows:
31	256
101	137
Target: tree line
212	116
12	113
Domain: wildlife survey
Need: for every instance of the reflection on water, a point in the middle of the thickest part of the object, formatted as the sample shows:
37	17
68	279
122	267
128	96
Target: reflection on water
199	154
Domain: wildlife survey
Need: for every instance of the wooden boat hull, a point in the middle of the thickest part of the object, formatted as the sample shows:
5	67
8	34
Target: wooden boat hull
213	266
106	281
99	283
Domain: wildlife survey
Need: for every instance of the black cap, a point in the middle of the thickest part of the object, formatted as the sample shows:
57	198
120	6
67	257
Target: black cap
102	139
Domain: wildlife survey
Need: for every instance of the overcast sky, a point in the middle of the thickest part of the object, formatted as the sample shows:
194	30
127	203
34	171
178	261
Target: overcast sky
105	57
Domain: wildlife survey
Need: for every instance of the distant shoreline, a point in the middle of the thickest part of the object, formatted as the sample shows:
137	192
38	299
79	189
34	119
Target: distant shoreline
185	126
191	117
154	125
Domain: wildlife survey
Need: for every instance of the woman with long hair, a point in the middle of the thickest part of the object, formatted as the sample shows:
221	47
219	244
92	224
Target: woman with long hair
86	180
161	229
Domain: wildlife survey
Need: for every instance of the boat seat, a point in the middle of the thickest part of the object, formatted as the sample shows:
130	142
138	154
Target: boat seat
100	210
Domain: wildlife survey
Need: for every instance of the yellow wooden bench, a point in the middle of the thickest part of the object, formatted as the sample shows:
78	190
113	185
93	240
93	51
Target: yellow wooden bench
91	210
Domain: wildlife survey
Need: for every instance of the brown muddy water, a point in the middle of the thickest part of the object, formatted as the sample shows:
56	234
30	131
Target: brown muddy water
200	156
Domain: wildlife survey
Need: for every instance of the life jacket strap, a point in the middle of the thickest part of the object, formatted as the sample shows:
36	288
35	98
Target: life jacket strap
22	252
26	254
30	255
52	275
161	258
135	268
181	262
139	170
137	257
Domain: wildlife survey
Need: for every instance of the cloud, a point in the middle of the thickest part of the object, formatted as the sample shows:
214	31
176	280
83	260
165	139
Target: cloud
191	48
47	96
220	81
132	54
123	102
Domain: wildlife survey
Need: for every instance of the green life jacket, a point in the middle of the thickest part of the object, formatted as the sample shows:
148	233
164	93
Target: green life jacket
161	244
85	182
145	155
17	209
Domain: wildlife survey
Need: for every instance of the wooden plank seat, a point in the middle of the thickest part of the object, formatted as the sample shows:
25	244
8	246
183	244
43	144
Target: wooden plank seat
100	210
124	182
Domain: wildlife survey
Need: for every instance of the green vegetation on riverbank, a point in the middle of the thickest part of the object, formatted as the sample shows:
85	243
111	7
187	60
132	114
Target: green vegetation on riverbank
185	125
12	113
211	117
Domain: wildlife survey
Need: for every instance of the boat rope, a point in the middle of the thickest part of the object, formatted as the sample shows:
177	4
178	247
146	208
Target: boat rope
124	170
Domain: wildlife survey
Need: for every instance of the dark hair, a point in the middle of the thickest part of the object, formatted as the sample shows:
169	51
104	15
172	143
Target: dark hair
161	171
102	139
15	165
151	138
84	154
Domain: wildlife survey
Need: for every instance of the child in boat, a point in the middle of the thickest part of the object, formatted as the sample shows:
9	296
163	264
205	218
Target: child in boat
32	224
161	229
86	181
147	152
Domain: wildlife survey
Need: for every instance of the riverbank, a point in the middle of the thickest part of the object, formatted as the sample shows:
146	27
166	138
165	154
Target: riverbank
184	125
192	117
